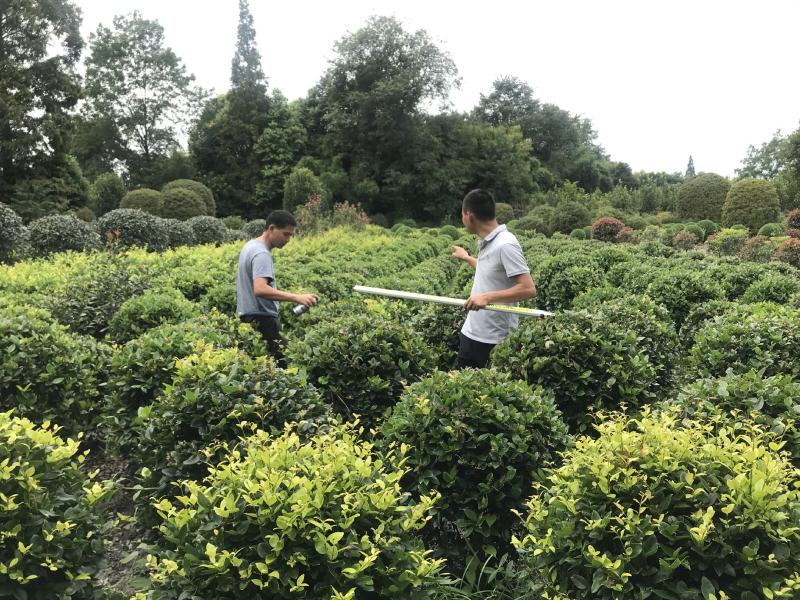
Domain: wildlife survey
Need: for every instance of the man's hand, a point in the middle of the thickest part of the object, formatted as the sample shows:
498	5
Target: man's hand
460	253
477	302
307	300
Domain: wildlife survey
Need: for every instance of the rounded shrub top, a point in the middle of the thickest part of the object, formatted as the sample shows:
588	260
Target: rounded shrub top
179	233
752	203
59	233
284	518
106	192
151	309
606	229
477	437
150	201
182	203
52	530
504	212
570	215
362	361
200	190
46	372
134	227
254	228
656	506
772	229
218	395
208	230
13	235
789	252
701	197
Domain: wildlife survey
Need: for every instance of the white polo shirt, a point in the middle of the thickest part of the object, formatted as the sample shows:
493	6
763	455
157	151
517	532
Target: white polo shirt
500	258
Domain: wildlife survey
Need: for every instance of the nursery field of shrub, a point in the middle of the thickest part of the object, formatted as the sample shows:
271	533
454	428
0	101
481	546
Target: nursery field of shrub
641	443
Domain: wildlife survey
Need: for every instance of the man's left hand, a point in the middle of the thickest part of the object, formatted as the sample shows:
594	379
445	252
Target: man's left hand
477	302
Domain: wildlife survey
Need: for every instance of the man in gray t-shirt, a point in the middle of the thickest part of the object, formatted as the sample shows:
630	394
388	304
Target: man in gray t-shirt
257	293
502	276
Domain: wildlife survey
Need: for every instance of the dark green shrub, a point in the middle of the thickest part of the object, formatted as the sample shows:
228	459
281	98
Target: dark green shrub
789	252
728	242
200	190
620	352
773	402
92	297
752	203
685	240
504	212
701	198
735	278
699	315
234	222
569	216
106	193
539	219
361	361
597	295
151	309
218	395
325	518
439	326
300	185
254	228
59	233
559	280
450	230
708	227
52	529
579	234
476	437
606	229
772	287
657	509
696	229
208	230
47	373
85	214
772	230
380	219
150	201
679	290
179	233
760	336
14	242
408	222
141	369
182	204
133	227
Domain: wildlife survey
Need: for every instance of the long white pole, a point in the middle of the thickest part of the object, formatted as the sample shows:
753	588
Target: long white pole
517	310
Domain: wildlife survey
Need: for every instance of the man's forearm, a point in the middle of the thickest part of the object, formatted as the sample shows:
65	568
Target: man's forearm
279	295
471	261
513	294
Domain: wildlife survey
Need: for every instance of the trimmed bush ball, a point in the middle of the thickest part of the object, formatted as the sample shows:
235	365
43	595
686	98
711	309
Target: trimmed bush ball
286	518
150	201
208	230
106	193
476	436
200	190
752	203
59	233
789	252
182	204
685	240
606	229
133	227
151	309
772	230
52	528
254	228
234	222
48	373
569	216
361	361
13	235
702	197
662	509
708	227
728	242
504	212
179	233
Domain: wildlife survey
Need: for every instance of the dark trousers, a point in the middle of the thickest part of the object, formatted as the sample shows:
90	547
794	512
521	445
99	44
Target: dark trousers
471	353
270	330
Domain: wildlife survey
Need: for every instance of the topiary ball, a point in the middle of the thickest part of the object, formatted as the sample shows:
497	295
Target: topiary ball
200	190
150	201
59	233
182	204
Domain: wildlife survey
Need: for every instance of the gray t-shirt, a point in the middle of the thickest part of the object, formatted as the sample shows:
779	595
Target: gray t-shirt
255	260
500	258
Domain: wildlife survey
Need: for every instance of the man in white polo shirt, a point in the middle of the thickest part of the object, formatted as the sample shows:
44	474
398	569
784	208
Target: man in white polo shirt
502	276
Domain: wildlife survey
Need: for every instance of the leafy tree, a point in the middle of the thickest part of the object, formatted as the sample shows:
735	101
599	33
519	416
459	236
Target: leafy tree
223	141
767	161
40	44
690	167
300	185
133	79
106	193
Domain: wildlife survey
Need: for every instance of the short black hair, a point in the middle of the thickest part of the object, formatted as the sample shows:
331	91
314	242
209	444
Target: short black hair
281	219
480	203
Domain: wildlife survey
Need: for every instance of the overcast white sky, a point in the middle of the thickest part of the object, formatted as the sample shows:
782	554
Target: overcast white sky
660	79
